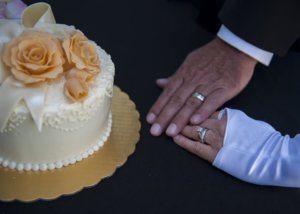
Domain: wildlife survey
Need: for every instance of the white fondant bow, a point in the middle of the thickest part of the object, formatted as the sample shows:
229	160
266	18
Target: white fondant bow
11	90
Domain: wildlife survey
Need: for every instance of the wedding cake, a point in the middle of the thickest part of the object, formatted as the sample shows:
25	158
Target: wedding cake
55	93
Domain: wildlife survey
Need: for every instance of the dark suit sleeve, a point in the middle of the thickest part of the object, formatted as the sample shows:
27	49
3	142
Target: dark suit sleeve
272	25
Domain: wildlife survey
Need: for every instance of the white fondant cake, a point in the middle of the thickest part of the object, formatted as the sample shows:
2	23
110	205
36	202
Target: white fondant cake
57	131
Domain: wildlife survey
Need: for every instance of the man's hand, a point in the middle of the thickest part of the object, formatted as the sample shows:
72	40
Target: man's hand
217	70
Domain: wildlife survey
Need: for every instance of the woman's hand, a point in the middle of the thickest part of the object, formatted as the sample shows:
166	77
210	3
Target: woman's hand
217	71
213	139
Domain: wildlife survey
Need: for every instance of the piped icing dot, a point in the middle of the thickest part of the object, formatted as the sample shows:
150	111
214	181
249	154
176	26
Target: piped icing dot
35	167
27	166
13	122
51	166
20	166
85	155
90	151
65	162
78	157
72	160
58	164
43	166
5	163
96	148
12	165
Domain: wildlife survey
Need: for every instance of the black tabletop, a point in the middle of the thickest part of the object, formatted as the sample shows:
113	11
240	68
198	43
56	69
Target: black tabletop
149	39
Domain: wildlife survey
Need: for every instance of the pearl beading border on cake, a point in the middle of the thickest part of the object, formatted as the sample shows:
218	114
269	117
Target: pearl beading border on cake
60	163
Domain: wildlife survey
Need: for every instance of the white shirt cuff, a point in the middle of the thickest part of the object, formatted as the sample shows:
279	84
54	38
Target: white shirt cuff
260	55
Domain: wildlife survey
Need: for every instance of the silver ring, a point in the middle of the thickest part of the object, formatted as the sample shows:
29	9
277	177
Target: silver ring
199	96
201	133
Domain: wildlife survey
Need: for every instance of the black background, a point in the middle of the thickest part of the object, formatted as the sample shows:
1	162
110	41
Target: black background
149	39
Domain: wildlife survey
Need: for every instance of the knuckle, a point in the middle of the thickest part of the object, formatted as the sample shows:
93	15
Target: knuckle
211	105
198	149
168	91
204	111
190	75
155	109
218	142
164	117
215	138
227	83
192	102
177	100
222	127
172	85
221	83
180	121
210	134
218	126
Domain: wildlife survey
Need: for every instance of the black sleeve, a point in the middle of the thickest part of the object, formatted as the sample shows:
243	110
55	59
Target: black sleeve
273	25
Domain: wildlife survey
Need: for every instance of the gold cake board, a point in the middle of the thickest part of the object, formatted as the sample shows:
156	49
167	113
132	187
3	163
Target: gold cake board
30	186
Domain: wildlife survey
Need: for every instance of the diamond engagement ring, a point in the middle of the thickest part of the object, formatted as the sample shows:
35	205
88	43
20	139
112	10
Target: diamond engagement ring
201	133
198	96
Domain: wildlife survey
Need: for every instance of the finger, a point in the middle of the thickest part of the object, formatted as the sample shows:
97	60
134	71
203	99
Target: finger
162	82
211	124
163	99
216	134
215	115
202	150
192	133
210	105
224	116
171	108
223	121
183	116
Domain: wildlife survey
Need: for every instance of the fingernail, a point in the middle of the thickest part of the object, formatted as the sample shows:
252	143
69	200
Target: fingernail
172	129
151	118
162	80
196	119
155	129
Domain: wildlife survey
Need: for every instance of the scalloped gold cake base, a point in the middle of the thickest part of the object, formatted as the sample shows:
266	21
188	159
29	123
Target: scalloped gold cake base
30	186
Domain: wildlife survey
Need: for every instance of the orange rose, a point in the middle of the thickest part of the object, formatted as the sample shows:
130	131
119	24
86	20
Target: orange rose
34	56
84	76
82	53
76	89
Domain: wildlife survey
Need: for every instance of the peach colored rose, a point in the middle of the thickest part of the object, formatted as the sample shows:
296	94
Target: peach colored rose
82	53
34	56
79	74
76	89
